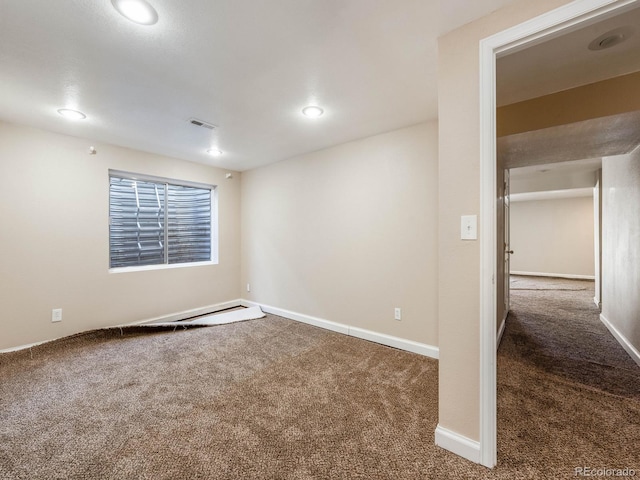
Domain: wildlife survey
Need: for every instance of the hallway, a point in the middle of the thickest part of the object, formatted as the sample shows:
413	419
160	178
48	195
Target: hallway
568	394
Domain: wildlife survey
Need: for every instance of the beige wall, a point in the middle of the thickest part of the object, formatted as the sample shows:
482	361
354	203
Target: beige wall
600	99
348	233
554	236
54	239
459	187
621	244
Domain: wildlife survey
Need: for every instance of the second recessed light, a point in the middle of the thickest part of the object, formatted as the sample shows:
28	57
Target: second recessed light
214	152
71	114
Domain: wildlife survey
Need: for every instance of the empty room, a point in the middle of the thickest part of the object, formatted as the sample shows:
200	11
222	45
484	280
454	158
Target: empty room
246	239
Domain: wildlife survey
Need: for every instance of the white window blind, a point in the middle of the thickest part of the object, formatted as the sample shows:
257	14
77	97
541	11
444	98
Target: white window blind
155	221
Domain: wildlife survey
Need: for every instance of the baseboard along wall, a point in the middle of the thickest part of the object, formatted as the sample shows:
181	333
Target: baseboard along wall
555	275
622	340
503	324
458	444
172	317
381	338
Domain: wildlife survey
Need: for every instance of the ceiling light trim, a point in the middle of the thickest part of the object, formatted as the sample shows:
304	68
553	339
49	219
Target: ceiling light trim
137	11
71	114
312	111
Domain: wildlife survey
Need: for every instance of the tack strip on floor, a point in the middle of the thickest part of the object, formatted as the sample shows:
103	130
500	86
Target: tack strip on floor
250	313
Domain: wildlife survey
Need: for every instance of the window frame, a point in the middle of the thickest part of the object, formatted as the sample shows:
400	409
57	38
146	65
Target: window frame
166	181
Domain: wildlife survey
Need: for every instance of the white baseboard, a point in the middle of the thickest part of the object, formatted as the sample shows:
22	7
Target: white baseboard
596	301
555	275
622	340
381	338
503	324
165	318
458	444
174	317
396	342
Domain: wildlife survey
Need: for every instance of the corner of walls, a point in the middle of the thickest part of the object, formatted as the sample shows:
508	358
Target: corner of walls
347	234
633	352
388	340
56	238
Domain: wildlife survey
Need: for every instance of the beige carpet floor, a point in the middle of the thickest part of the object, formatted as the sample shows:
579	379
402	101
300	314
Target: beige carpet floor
277	399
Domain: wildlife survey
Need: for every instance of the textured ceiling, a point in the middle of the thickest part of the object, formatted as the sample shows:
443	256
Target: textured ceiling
599	137
247	66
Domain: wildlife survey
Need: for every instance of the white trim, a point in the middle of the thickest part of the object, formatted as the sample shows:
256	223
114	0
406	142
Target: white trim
503	324
622	340
142	177
396	342
165	318
554	275
510	40
161	266
299	317
381	338
487	454
174	317
458	444
596	301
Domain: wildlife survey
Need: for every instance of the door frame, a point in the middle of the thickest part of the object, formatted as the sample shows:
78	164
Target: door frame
538	29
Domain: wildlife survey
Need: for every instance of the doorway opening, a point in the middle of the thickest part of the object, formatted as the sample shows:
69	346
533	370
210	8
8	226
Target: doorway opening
561	21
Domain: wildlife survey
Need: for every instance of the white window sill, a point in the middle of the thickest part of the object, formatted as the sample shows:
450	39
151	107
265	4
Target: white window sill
146	268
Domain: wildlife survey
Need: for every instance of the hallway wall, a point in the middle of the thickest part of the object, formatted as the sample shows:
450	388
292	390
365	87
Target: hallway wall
621	248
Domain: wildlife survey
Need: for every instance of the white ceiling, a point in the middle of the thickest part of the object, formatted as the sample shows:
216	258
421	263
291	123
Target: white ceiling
247	66
566	62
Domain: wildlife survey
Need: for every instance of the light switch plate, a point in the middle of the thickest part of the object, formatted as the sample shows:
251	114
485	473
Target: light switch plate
469	227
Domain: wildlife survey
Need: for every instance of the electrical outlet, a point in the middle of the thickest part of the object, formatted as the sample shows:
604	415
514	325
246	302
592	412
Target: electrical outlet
56	315
397	313
248	287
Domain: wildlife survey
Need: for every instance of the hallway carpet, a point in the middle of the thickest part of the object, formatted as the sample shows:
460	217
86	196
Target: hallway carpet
277	399
568	394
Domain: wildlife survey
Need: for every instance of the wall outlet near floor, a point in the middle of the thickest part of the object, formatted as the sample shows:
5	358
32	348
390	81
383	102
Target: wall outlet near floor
397	313
56	315
248	287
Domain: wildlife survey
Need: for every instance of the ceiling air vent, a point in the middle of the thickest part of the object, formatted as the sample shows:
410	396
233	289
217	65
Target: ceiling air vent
201	123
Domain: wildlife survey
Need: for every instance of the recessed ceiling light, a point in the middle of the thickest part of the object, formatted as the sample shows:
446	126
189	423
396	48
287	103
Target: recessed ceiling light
312	111
71	114
214	152
138	11
611	38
